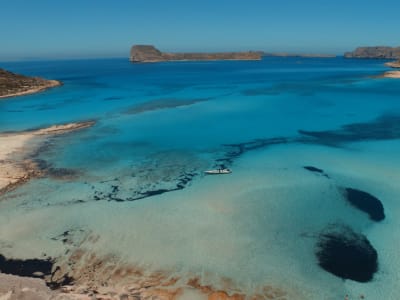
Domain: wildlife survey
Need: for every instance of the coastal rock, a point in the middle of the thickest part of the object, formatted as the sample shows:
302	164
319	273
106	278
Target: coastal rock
346	254
12	84
18	288
374	52
149	53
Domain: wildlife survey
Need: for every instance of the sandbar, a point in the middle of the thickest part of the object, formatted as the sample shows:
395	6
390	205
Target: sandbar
15	148
392	74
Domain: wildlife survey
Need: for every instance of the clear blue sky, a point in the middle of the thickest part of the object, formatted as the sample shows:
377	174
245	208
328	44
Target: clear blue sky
107	28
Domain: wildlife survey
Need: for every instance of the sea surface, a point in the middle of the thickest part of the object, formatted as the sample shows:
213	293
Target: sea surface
136	181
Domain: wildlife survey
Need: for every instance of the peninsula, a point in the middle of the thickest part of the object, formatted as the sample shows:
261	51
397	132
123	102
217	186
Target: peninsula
148	53
375	52
12	84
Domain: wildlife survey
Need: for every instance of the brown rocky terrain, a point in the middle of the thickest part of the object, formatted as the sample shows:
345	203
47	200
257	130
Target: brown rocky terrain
12	84
375	52
148	53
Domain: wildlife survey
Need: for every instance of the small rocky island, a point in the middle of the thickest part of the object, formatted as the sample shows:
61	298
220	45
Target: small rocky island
12	84
375	52
148	53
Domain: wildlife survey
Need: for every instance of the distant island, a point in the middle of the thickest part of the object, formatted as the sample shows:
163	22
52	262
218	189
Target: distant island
375	52
149	53
12	84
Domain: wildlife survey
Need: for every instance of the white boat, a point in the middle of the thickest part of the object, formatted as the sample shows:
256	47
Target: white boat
218	171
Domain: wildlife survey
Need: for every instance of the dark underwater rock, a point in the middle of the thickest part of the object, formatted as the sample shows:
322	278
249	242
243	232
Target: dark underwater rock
367	203
27	268
313	169
346	254
385	127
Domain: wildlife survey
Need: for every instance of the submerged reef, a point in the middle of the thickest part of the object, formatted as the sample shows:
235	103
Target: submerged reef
346	254
27	268
316	170
158	104
385	127
366	202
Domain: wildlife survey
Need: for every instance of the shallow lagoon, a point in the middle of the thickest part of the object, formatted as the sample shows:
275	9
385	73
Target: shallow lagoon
139	187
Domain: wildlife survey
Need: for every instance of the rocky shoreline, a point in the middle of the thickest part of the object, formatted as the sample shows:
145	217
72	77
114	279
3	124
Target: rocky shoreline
379	52
12	85
150	54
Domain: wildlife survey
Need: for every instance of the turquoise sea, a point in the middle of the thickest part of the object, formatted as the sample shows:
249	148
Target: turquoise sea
134	187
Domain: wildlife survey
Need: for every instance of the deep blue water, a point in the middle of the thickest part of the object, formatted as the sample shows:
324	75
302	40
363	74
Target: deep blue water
158	126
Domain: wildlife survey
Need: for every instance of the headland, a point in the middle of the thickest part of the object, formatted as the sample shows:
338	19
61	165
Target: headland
149	53
12	84
383	52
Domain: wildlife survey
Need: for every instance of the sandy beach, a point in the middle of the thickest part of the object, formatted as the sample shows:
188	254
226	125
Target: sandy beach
15	167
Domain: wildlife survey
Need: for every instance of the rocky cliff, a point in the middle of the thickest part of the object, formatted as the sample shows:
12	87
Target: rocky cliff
12	84
375	52
148	53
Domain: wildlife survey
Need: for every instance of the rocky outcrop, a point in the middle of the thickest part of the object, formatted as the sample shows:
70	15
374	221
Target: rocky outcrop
375	52
12	84
148	53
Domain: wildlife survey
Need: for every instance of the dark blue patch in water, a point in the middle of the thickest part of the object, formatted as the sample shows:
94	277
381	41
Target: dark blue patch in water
347	254
367	203
385	127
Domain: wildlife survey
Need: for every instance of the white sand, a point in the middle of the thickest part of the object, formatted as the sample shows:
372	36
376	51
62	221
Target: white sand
15	170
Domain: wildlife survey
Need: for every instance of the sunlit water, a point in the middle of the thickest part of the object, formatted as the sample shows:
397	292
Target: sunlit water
139	180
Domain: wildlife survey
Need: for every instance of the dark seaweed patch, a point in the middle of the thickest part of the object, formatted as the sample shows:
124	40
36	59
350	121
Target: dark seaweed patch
158	104
313	169
112	98
347	254
26	268
177	183
367	203
383	128
236	150
316	170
